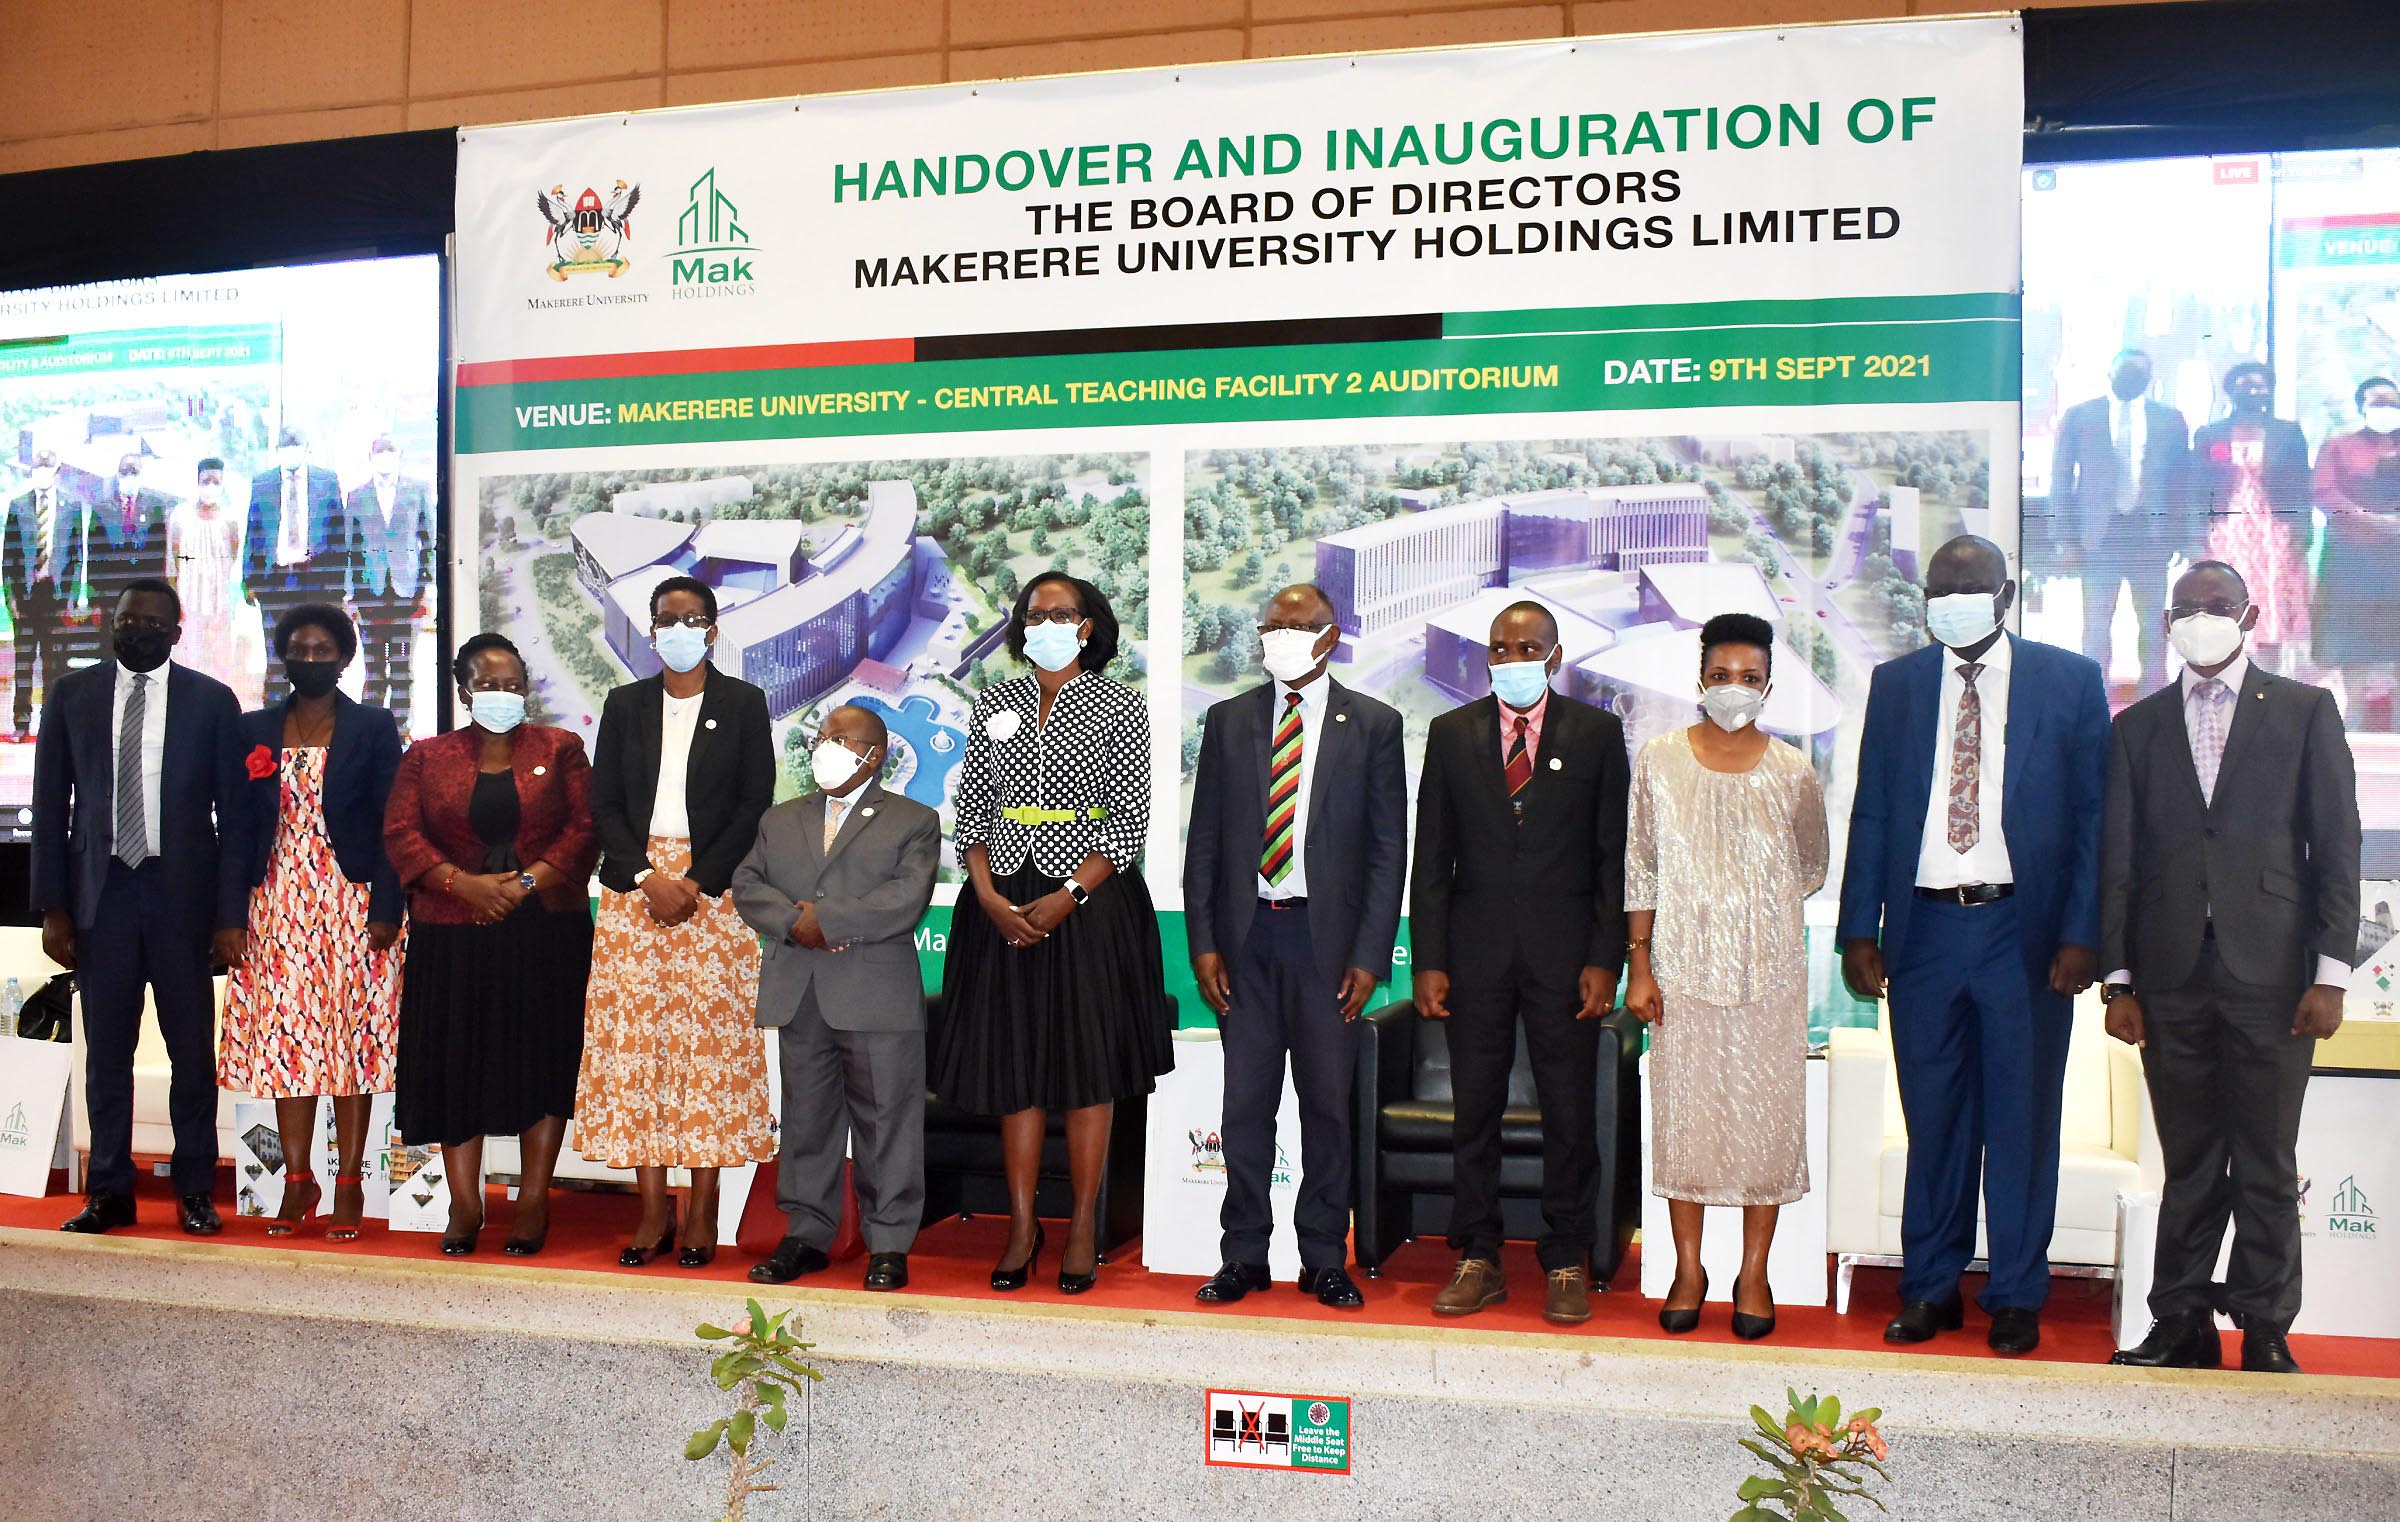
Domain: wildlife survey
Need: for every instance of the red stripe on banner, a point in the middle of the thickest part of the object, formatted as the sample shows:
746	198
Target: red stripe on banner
2348	219
569	367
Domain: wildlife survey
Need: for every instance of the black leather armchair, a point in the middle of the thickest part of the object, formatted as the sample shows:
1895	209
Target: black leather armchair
1405	1173
963	1174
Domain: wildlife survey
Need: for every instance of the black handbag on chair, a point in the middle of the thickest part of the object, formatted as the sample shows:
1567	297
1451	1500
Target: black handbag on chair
49	1011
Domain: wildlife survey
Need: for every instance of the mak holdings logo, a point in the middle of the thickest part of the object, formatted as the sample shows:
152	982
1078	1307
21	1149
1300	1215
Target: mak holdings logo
14	1129
713	252
2348	1213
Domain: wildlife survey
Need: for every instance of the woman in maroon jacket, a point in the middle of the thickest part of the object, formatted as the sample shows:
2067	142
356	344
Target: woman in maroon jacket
490	827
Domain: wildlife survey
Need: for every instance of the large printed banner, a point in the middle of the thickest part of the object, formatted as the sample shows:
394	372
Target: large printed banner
1645	329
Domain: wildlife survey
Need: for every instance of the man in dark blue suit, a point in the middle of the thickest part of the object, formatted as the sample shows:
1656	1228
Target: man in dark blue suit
290	551
136	774
1971	896
1291	896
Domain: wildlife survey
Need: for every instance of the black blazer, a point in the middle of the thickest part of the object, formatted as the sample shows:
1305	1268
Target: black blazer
360	761
2083	475
1485	886
202	796
2273	860
1357	830
729	779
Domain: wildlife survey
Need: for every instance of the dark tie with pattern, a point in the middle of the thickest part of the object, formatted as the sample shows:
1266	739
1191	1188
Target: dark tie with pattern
1283	793
1519	769
1966	765
133	831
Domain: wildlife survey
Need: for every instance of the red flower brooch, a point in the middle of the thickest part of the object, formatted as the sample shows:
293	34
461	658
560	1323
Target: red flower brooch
261	763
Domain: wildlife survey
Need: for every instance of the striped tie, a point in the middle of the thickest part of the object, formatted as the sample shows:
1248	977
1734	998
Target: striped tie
133	832
1520	759
1283	794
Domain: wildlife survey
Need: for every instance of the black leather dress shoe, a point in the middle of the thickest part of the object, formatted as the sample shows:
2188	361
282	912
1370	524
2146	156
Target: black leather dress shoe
1232	1281
2015	1330
102	1212
2185	1340
887	1271
1919	1320
790	1259
197	1214
1332	1287
2265	1352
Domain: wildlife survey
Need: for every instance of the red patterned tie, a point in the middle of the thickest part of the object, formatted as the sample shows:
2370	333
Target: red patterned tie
1966	765
1520	759
1283	793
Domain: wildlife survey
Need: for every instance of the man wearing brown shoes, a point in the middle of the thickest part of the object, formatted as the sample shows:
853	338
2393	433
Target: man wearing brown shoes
1517	912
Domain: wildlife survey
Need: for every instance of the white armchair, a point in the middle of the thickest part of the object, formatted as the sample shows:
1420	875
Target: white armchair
2106	1147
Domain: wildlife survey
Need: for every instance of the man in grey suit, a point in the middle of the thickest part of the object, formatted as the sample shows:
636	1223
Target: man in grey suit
2118	503
388	531
836	886
1291	894
2229	909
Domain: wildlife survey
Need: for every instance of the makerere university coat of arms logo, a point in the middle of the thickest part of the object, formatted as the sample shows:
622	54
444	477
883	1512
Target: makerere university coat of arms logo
591	235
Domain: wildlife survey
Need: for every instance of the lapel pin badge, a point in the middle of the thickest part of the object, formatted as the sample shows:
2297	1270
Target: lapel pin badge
1557	765
866	813
1341	718
537	771
708	723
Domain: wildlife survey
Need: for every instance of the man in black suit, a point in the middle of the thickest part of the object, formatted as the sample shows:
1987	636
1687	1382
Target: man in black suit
1291	893
133	522
290	548
137	775
2118	482
47	564
1518	911
2229	909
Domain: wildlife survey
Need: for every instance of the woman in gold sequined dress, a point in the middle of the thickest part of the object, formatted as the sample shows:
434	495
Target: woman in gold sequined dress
1726	841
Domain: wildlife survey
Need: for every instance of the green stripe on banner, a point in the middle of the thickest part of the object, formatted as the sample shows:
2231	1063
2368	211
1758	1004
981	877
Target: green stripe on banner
1876	363
1806	312
143	349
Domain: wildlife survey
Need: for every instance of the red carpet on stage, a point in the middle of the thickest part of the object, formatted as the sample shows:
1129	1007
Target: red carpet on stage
955	1258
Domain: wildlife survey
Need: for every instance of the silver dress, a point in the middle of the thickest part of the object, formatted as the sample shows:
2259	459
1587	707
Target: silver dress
1725	861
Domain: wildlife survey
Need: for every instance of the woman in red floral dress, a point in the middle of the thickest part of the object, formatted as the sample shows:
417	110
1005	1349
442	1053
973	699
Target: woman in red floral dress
315	1007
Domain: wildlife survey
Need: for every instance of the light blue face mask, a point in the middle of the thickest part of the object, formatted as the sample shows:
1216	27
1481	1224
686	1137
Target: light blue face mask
681	646
1520	684
1053	647
1962	618
498	712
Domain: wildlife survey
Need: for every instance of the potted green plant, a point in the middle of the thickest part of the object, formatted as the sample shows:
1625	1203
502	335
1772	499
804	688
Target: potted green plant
1812	1456
763	1369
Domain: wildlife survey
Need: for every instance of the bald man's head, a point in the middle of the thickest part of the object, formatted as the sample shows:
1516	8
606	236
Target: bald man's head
863	725
1969	563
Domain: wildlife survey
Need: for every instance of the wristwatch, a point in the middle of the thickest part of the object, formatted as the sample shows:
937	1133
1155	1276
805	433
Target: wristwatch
2111	992
525	881
1078	892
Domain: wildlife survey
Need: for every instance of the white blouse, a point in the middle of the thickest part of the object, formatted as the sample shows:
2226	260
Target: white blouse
669	817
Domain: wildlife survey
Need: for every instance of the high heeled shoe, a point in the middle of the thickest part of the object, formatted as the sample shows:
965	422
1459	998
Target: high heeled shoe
1679	1322
1076	1284
635	1255
696	1257
521	1246
285	1225
1005	1279
342	1181
460	1244
1751	1328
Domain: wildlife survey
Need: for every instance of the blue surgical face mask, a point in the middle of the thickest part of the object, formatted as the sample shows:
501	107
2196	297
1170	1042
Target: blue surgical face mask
498	712
681	646
1520	684
1962	618
1053	647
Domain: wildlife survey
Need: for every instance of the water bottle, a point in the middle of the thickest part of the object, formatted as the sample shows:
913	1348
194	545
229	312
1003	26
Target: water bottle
12	999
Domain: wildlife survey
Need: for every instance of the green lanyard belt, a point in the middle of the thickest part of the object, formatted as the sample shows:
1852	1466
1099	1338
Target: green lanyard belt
1033	816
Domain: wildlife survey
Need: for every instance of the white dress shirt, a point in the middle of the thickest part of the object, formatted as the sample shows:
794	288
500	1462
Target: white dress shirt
154	746
2330	970
1312	729
2129	424
670	815
1987	860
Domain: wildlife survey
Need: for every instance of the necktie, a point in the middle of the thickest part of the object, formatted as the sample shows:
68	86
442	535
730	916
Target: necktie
1966	764
47	520
2128	472
133	831
1283	793
293	543
1520	759
833	822
2208	736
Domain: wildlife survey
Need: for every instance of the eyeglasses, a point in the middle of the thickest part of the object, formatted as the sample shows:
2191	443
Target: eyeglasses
1035	616
2220	608
689	621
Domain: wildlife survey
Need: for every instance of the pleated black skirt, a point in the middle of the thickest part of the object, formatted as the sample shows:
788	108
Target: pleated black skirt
491	1024
1079	1018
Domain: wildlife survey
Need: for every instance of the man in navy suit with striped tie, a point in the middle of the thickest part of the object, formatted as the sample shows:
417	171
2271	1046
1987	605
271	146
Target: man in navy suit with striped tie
1291	895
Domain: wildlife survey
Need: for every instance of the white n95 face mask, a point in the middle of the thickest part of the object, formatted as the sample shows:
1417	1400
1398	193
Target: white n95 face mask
834	764
2205	639
1731	707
